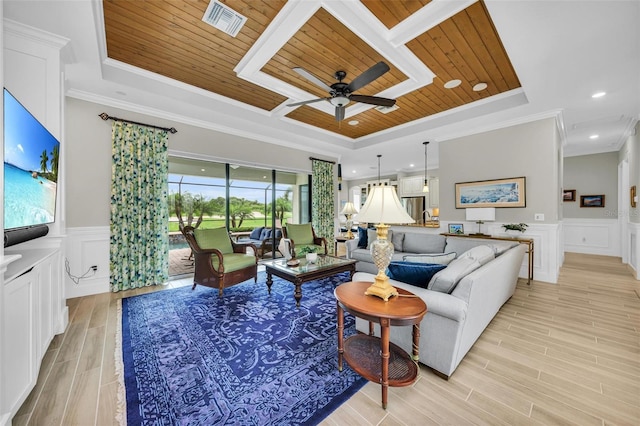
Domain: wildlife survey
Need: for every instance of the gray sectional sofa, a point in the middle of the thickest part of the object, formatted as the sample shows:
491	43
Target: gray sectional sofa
456	315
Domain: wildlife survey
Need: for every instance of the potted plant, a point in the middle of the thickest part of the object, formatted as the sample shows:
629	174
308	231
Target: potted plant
310	253
513	228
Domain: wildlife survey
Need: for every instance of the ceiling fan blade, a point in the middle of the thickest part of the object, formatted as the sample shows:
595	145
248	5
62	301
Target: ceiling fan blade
312	78
368	76
307	102
373	100
339	113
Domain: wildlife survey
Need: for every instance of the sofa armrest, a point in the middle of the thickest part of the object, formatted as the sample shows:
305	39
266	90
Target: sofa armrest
351	245
438	303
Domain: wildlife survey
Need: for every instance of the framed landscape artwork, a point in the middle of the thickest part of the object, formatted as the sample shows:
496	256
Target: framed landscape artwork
456	228
592	201
569	195
491	193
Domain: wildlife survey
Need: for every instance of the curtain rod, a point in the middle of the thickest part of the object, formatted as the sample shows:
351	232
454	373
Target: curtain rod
320	159
106	117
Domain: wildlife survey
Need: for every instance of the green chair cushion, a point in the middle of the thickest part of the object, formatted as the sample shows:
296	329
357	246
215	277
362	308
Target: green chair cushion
300	234
234	261
217	238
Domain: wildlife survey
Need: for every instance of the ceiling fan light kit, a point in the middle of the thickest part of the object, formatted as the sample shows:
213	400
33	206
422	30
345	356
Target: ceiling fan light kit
341	94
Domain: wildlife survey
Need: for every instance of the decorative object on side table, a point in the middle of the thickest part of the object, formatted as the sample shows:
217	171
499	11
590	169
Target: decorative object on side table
349	210
456	228
382	207
480	215
515	227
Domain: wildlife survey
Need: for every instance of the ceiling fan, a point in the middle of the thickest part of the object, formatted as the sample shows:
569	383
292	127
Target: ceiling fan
342	93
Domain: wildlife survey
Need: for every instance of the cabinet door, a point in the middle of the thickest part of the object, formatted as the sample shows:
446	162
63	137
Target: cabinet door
19	343
434	192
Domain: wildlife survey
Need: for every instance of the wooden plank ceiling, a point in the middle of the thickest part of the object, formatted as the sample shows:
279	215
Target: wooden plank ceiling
169	38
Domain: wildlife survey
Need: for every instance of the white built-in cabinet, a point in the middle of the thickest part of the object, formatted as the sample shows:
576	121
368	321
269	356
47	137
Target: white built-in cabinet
31	316
411	186
434	193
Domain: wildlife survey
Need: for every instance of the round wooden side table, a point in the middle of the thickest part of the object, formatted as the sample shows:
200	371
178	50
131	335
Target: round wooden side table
375	358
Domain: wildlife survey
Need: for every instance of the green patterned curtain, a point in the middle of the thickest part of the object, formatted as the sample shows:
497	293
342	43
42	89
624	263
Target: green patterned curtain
139	249
322	201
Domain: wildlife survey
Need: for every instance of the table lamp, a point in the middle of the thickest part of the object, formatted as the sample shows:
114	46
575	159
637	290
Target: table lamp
382	207
349	210
480	215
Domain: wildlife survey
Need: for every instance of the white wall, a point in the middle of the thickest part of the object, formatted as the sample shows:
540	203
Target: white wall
592	175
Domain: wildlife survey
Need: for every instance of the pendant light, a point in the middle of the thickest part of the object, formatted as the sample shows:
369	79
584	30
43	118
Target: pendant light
425	188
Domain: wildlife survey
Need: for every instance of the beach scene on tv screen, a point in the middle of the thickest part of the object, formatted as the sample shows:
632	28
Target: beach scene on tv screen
30	168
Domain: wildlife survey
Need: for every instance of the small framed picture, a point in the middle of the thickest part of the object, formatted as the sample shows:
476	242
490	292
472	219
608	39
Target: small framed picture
592	201
456	228
569	195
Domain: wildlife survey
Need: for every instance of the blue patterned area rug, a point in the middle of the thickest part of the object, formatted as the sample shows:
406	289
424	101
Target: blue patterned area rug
250	358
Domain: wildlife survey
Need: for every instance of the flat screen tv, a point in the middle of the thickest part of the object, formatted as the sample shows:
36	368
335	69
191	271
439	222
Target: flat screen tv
31	156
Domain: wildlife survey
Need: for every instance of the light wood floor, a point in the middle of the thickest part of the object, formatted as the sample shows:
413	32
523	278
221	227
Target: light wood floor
554	355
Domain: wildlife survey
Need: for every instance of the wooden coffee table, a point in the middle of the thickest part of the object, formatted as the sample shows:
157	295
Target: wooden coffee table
376	359
325	266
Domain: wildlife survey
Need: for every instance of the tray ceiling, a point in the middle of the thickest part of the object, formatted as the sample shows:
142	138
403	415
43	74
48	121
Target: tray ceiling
425	44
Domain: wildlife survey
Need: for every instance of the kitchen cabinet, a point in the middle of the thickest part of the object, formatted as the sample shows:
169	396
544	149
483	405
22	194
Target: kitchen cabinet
411	186
434	193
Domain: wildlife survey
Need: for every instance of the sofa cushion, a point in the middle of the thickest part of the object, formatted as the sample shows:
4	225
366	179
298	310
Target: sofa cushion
483	254
500	247
397	239
264	234
447	279
415	242
417	274
255	234
362	255
372	235
362	238
439	258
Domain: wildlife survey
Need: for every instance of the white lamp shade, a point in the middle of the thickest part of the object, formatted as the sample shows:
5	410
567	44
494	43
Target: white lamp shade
349	208
485	213
383	206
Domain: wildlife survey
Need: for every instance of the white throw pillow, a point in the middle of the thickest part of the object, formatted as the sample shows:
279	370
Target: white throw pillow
447	279
439	258
483	254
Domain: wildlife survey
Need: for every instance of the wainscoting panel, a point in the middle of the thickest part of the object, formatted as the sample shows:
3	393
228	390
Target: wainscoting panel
634	250
592	236
86	247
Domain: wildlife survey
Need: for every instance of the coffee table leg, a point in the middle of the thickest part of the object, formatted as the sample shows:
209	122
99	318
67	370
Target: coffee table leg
269	282
298	293
384	346
340	314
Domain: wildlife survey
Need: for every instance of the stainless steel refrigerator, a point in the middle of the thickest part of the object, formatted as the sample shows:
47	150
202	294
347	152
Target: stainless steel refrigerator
415	207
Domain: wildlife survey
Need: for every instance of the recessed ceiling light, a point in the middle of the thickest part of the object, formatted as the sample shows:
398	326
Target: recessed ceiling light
264	177
354	123
480	86
452	83
353	171
598	94
594	137
202	170
411	165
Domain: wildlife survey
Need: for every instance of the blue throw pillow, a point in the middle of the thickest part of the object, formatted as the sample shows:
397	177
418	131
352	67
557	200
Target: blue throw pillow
414	273
362	238
255	234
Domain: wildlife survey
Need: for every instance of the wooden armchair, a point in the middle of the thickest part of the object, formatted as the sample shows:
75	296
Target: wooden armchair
303	235
219	262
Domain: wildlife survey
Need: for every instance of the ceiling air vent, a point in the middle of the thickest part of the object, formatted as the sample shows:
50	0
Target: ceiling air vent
385	109
224	18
